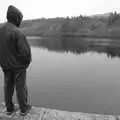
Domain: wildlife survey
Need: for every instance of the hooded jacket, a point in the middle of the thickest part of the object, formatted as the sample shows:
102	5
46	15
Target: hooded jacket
15	52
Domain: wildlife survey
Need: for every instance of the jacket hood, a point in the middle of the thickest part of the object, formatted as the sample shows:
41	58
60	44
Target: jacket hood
14	15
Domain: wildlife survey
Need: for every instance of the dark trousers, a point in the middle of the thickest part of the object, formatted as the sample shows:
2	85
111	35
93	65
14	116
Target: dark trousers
15	79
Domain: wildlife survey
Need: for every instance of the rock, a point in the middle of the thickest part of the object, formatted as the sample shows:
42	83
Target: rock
51	114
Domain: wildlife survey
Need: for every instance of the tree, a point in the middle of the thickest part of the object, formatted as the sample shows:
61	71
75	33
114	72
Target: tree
113	17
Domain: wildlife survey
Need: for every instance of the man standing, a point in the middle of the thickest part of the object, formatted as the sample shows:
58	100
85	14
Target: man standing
15	57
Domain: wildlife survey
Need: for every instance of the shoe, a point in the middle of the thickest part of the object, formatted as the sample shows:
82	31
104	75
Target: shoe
10	113
24	113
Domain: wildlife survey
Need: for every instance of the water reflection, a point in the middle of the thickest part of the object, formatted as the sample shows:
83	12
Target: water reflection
86	83
78	45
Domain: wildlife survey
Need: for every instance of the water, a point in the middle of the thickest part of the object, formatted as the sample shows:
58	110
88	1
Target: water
74	74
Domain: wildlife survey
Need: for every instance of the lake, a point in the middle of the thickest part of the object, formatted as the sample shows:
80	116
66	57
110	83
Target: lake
75	74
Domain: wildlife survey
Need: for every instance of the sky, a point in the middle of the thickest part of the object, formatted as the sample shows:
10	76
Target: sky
33	9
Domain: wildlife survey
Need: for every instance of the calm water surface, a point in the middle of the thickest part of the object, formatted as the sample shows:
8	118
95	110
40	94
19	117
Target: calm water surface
74	74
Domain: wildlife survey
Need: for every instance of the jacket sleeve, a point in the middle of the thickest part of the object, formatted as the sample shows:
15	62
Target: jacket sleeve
24	49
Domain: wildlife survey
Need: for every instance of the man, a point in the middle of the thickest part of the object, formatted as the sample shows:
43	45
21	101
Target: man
15	57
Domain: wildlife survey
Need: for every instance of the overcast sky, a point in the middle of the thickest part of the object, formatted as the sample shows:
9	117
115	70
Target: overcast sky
32	9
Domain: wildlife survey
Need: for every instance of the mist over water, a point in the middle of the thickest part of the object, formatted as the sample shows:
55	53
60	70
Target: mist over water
75	74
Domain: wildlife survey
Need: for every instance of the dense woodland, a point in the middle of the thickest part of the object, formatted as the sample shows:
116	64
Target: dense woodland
103	25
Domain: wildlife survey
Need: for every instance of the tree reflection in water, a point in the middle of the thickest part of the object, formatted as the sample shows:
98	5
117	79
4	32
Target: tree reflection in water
77	45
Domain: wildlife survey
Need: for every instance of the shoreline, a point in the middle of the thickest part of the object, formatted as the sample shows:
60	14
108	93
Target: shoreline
38	113
72	35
